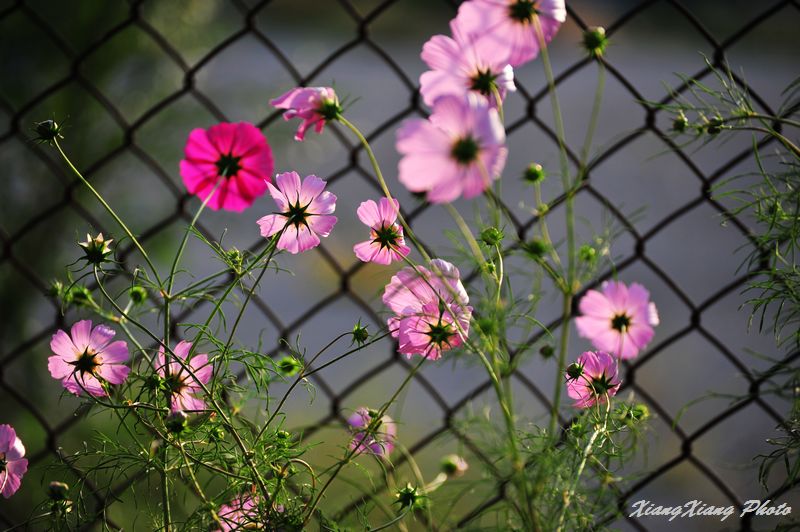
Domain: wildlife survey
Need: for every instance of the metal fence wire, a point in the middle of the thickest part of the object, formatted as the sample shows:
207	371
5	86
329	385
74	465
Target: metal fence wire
362	20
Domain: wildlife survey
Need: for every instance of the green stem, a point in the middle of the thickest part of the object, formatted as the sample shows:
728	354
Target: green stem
584	457
110	211
165	492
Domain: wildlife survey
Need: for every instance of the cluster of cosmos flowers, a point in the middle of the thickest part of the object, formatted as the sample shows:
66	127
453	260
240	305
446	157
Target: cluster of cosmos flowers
458	151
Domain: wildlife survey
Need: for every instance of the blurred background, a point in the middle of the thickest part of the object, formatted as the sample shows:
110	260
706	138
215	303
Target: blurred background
129	80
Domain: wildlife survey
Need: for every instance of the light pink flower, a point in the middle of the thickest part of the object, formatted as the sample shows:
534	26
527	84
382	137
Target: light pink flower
12	464
87	357
304	212
511	25
183	388
316	106
386	243
463	64
242	514
459	151
592	378
426	304
235	156
380	440
619	320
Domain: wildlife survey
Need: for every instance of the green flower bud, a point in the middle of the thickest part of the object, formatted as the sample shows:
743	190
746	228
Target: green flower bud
47	131
289	366
595	41
57	491
547	351
536	248
138	294
408	497
680	123
177	422
534	173
454	466
492	236
587	254
360	333
97	249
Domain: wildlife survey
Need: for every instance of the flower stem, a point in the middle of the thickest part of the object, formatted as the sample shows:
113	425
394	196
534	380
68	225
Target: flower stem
110	211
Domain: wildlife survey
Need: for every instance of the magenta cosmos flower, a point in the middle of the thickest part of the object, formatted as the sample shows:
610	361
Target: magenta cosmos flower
459	151
386	242
12	464
87	358
463	64
511	25
592	379
380	440
427	305
234	158
315	106
304	212
184	388
619	319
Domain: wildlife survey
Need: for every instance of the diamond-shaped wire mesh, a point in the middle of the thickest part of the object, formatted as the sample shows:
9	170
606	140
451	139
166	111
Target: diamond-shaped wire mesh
181	62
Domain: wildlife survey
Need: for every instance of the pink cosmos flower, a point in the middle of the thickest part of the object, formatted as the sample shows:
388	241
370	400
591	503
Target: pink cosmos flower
459	151
242	514
87	357
511	24
378	441
619	320
427	304
12	464
316	106
304	212
592	378
182	387
233	157
464	64
386	243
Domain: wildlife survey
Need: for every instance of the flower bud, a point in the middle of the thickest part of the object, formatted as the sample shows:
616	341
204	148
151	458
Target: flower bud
177	422
97	249
492	236
235	260
360	333
547	351
408	497
574	371
57	491
289	366
714	126
79	296
534	173
595	41
536	248
138	294
47	131
587	254
454	466
680	123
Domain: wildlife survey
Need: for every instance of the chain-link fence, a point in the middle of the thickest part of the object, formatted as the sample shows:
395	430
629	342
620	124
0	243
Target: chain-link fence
243	21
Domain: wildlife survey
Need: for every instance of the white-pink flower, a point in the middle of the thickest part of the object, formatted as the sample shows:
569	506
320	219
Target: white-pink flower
430	307
12	464
304	212
618	320
462	64
87	357
517	26
592	379
380	440
386	242
458	152
315	106
183	388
